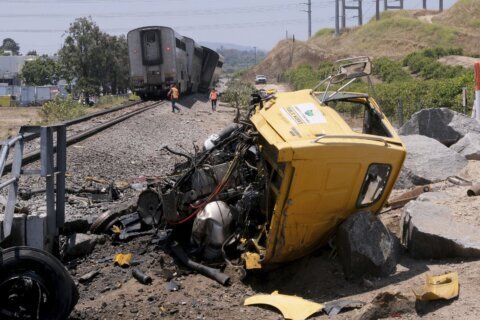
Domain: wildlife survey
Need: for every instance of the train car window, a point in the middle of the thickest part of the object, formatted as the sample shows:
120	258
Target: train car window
219	64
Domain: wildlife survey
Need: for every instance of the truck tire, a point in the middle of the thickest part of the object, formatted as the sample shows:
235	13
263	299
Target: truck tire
34	285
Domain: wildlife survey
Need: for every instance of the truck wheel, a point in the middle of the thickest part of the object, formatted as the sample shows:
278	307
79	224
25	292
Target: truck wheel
34	285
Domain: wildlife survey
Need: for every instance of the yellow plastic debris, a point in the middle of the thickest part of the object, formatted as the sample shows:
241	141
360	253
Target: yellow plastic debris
123	260
291	307
116	229
252	260
439	287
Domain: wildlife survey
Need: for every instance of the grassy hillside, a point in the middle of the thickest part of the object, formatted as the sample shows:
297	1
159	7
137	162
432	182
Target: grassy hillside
464	14
395	35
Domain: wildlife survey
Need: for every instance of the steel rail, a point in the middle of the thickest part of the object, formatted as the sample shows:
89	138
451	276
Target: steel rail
35	155
31	136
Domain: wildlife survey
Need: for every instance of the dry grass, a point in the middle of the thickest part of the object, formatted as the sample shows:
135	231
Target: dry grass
395	35
11	119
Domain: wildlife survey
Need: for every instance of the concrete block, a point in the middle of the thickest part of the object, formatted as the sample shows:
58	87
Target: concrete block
37	230
429	231
79	245
18	234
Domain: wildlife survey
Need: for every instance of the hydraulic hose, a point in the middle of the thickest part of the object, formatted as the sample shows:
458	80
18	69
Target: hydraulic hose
212	273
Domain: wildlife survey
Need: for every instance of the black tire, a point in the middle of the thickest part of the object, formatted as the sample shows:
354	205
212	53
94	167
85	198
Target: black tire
34	285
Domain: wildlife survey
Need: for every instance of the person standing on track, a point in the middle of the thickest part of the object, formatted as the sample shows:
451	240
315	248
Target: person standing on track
213	98
173	95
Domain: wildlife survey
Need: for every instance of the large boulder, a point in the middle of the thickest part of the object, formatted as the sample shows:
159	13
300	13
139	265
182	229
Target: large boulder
468	146
428	161
366	246
441	124
429	231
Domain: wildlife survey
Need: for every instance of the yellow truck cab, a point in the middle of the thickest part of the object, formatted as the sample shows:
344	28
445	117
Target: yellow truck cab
324	166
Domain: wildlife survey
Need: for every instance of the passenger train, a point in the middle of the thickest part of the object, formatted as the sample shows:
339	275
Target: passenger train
159	57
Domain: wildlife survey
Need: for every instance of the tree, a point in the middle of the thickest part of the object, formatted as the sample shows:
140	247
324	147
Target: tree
32	53
95	59
10	44
40	72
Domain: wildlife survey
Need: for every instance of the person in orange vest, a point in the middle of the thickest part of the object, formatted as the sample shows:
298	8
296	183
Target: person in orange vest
213	98
173	95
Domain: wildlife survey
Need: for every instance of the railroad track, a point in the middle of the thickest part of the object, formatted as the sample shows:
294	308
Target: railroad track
86	126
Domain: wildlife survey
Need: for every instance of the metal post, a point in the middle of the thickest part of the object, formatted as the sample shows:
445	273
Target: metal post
360	13
344	18
255	54
337	17
424	4
464	100
440	5
47	171
377	9
309	19
385	5
400	112
61	169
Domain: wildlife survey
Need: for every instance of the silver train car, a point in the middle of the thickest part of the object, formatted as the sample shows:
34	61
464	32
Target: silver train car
159	57
211	68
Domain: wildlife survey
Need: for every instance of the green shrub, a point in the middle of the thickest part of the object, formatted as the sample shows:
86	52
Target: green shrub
389	71
238	92
61	109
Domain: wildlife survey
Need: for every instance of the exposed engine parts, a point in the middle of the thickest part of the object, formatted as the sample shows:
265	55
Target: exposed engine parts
214	200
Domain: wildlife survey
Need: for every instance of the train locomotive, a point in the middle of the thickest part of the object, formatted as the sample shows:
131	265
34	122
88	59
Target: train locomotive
159	57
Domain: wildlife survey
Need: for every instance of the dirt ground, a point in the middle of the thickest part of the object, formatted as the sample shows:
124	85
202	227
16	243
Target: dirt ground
132	151
11	119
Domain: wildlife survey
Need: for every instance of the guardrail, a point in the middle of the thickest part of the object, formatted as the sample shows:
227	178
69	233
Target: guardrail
51	168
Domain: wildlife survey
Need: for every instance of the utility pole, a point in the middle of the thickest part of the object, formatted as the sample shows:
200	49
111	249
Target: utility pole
309	12
255	49
358	8
440	5
344	23
377	9
424	4
337	18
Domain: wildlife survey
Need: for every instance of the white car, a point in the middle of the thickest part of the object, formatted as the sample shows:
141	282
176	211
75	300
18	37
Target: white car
260	79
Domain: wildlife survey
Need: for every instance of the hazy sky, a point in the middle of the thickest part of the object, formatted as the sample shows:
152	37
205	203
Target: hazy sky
40	24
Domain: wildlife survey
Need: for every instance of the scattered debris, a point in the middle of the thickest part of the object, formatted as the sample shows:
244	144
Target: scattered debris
123	260
407	196
212	273
366	246
141	277
172	285
439	287
385	305
88	276
291	307
459	181
335	307
474	190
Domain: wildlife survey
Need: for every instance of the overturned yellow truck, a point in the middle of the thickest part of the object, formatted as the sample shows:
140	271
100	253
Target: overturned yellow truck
274	186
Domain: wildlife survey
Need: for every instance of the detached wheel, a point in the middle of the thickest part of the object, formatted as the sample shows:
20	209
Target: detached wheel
34	285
